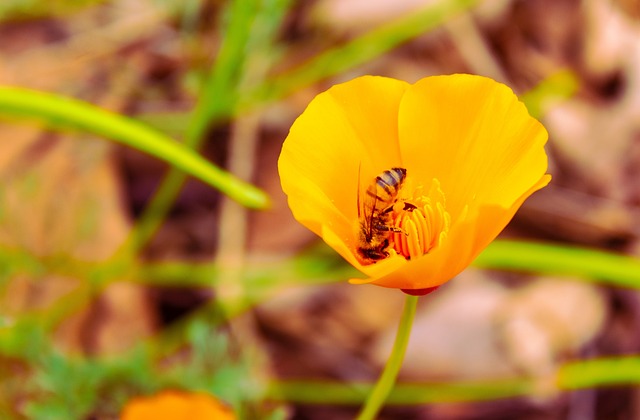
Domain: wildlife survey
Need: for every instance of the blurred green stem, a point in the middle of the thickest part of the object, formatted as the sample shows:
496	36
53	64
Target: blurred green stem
71	114
362	49
556	87
217	101
623	370
555	259
582	374
385	384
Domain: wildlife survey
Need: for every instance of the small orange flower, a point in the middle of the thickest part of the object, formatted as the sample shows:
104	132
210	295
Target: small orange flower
409	183
176	405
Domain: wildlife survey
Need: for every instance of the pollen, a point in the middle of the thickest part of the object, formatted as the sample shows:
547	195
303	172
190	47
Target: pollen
421	220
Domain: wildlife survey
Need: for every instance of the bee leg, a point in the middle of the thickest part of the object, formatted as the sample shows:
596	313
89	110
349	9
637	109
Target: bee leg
388	209
406	206
385	228
376	254
409	207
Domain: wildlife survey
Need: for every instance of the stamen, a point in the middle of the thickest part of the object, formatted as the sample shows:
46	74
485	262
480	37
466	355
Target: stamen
424	224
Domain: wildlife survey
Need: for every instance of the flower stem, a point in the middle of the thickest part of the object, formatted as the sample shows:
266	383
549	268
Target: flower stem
388	378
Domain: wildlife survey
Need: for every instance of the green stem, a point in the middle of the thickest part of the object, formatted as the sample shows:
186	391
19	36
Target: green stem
388	378
216	103
67	113
555	259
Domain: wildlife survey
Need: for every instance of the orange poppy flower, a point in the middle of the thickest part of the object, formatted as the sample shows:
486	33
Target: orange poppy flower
176	405
409	183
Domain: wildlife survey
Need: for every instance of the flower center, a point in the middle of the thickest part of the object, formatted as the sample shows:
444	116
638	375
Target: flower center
421	219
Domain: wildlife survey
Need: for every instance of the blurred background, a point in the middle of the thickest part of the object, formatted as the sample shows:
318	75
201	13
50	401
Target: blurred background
120	277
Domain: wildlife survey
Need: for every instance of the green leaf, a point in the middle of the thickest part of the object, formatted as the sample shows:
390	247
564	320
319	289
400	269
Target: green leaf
588	264
362	49
66	113
558	86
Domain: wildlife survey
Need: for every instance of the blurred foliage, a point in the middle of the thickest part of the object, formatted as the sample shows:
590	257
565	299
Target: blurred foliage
571	376
65	113
248	33
64	387
29	9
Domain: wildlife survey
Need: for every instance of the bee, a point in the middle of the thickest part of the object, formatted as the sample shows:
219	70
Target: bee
374	214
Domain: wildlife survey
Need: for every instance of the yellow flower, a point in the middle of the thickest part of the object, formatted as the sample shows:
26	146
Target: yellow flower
455	158
176	405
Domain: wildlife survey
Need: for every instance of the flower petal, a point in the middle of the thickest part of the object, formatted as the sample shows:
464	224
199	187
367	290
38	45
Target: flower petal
346	133
474	136
469	133
176	405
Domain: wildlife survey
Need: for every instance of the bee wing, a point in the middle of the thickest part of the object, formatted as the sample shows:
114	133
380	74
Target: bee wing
365	205
369	211
371	206
358	191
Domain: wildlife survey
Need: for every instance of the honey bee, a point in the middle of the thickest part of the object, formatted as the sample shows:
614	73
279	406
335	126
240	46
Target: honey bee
374	214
